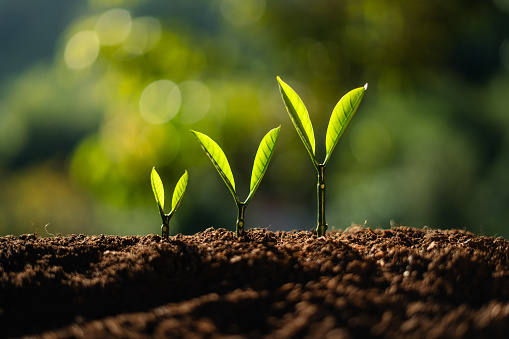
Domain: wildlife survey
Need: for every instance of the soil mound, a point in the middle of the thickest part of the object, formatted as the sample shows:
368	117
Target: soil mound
360	283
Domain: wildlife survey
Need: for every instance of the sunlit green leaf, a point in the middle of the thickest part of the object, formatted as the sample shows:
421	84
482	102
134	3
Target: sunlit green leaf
157	188
179	191
262	159
219	160
341	116
300	117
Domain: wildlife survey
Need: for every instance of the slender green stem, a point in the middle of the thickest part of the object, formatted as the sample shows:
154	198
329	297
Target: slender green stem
322	226
240	217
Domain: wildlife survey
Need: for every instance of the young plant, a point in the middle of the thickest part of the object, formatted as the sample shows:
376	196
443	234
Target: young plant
220	162
178	193
339	120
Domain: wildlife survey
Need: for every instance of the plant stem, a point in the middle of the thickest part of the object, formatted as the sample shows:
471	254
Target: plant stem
322	226
240	217
165	227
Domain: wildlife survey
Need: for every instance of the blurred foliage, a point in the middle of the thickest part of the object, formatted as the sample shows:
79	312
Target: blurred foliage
79	134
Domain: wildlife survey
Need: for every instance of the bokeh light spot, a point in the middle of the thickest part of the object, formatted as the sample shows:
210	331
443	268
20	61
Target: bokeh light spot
144	34
160	101
242	12
81	50
195	101
113	26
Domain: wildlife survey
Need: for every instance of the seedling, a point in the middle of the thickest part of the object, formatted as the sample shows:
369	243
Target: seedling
339	120
178	193
220	162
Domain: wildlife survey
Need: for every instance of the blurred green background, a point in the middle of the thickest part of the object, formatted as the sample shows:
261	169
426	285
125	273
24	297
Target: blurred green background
93	94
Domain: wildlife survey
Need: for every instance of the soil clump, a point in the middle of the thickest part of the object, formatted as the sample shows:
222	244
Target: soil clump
358	283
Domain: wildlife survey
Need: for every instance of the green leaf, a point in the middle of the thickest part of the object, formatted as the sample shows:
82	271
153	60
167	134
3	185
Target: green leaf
262	159
340	118
300	117
219	160
179	191
157	188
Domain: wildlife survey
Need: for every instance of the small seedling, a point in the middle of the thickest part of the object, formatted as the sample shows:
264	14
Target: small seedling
178	193
339	120
220	162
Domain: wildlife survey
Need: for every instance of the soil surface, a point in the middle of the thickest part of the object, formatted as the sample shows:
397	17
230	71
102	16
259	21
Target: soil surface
360	283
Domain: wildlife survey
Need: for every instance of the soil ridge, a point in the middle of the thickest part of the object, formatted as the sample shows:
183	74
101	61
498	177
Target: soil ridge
357	283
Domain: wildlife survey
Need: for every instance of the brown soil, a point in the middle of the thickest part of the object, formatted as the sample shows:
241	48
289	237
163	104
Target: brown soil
360	283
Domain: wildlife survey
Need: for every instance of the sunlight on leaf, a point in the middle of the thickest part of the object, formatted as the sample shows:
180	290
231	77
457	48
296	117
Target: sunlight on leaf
157	188
299	115
262	159
179	191
341	116
219	160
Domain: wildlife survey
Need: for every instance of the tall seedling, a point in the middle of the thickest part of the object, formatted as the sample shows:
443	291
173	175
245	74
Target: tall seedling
339	120
178	193
220	162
